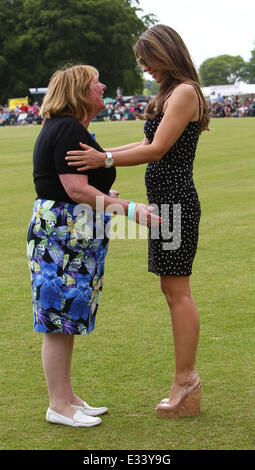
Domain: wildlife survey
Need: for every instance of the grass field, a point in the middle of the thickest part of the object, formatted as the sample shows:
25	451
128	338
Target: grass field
127	363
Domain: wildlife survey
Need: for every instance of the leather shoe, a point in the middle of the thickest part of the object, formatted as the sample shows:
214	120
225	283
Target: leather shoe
79	419
90	410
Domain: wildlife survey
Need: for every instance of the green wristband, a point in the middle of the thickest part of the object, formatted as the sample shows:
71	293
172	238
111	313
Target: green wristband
131	211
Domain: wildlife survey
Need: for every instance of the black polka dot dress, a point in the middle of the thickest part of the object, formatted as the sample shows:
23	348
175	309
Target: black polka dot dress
170	188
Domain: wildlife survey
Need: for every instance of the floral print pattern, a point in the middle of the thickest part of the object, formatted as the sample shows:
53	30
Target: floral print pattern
66	249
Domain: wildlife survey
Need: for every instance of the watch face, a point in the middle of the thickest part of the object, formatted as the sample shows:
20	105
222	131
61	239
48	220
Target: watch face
109	160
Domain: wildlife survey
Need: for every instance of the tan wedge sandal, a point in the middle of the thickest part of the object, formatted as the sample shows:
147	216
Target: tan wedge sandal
188	405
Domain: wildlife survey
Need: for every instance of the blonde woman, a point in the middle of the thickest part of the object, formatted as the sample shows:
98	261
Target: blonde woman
67	237
174	120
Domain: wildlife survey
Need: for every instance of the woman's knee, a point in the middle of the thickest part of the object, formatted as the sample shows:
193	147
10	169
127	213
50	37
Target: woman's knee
176	291
168	292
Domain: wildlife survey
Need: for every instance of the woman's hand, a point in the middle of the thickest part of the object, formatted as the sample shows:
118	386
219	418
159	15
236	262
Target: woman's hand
87	159
144	216
114	193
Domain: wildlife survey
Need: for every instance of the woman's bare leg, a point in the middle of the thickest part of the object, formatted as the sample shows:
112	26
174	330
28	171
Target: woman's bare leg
55	357
185	326
69	390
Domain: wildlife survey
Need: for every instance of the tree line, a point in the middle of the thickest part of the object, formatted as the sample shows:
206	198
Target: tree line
225	69
39	36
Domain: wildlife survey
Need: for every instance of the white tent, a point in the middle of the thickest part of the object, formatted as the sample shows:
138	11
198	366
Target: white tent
229	90
38	91
247	88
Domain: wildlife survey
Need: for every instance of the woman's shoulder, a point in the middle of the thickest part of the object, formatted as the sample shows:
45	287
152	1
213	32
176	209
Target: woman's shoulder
64	125
183	94
64	120
67	127
186	90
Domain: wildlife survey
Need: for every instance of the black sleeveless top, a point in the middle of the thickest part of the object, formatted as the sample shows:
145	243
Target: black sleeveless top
58	135
171	178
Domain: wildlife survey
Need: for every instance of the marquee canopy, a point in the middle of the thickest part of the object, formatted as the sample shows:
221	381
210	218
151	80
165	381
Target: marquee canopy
228	90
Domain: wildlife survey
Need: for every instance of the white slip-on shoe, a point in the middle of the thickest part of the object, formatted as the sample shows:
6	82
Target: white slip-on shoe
79	419
91	410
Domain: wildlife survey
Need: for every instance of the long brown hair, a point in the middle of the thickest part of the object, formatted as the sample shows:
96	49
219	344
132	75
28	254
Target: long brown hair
162	48
68	92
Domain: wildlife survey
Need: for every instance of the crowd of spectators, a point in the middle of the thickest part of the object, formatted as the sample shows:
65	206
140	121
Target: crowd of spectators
126	108
20	115
231	106
123	108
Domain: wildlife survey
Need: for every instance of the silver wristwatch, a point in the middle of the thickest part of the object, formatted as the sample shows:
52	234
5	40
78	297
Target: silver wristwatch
109	160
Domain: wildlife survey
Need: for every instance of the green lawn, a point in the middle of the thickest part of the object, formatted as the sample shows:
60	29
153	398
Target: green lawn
127	363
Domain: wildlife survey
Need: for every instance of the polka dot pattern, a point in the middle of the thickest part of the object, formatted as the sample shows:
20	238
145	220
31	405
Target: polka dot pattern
170	186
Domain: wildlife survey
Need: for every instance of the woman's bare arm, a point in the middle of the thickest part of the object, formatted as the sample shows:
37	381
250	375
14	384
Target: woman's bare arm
179	111
80	191
128	146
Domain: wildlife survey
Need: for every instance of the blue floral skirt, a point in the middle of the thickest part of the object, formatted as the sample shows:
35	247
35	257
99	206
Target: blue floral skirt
66	248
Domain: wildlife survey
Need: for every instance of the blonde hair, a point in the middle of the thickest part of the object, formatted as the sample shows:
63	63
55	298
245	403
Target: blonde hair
162	48
68	92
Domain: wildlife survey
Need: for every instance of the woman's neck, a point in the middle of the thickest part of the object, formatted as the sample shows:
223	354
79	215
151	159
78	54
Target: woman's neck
86	123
